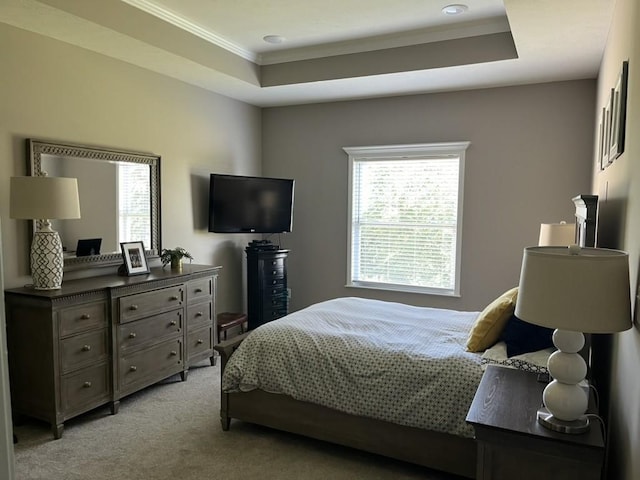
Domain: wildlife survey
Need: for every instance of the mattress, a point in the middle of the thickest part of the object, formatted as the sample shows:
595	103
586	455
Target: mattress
394	362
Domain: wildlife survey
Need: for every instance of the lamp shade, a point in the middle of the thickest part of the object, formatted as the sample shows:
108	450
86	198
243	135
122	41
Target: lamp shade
44	198
576	289
557	234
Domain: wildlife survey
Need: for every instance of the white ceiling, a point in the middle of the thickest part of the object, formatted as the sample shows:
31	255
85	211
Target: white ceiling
334	49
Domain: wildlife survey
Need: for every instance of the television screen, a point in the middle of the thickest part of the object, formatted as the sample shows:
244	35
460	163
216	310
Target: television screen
239	204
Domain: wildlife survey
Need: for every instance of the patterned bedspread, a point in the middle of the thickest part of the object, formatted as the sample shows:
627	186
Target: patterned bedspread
388	361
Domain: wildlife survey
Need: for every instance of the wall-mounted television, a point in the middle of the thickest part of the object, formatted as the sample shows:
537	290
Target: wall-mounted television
240	204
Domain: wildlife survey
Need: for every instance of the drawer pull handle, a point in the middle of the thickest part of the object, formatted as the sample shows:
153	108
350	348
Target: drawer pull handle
173	353
173	323
132	335
274	262
274	282
200	341
133	307
198	290
87	385
199	314
85	316
174	298
86	348
133	368
274	272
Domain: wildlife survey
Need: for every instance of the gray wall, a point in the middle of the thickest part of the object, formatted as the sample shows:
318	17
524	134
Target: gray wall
52	90
618	356
530	153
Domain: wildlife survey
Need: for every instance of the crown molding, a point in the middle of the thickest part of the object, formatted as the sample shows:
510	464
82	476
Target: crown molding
180	22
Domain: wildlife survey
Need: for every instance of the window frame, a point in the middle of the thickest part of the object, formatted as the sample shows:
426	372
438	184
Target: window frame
404	152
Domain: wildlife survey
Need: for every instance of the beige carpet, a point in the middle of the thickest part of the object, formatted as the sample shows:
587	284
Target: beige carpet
172	431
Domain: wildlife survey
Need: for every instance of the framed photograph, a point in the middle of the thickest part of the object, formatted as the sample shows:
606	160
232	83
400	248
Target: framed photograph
606	138
601	138
618	113
135	259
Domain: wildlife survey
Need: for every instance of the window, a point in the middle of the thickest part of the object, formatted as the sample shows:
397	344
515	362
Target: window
405	215
134	222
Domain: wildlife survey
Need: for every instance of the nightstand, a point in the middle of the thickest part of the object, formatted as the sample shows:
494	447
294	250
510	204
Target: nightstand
511	442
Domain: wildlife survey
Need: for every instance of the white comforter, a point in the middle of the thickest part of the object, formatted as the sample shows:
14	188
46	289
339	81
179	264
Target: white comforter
389	361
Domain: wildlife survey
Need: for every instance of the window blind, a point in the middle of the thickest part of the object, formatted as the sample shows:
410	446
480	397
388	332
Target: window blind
133	203
405	222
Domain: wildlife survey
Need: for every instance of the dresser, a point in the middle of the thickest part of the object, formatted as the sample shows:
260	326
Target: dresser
98	339
267	294
513	445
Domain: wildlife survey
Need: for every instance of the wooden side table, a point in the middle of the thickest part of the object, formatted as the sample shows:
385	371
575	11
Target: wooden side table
511	442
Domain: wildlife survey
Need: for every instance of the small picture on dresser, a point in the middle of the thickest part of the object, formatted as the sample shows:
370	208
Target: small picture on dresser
135	260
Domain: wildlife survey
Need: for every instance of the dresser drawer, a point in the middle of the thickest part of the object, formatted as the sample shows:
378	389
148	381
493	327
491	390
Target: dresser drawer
273	314
199	341
150	362
84	317
271	263
86	388
275	290
157	327
277	300
273	285
141	305
199	314
83	350
271	273
199	290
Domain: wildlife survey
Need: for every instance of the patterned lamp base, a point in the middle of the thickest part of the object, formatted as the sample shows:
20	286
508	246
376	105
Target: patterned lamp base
46	260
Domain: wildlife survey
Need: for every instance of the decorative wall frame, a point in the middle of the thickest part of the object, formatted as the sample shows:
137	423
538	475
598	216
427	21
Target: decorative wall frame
603	147
618	113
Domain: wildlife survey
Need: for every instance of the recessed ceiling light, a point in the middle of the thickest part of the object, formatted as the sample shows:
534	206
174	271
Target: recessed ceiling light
455	9
274	39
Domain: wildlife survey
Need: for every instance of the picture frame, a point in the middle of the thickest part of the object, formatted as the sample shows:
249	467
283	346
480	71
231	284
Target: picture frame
135	258
618	108
606	139
602	163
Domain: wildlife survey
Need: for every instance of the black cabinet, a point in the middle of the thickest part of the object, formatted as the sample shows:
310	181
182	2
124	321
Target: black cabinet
266	285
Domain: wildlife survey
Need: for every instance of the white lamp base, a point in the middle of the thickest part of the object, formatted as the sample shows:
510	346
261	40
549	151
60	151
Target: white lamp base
565	400
546	419
47	261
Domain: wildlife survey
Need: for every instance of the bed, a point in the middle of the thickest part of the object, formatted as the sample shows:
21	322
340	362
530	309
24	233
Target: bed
383	377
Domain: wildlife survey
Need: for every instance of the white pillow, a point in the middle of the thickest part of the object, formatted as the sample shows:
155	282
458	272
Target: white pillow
529	362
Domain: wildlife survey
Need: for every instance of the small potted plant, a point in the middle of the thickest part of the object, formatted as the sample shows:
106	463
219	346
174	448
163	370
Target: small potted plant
174	256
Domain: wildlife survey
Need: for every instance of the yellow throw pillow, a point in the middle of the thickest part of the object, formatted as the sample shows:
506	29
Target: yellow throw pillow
489	325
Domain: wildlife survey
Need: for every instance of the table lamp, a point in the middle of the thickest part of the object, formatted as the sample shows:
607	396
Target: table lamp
572	290
560	234
42	198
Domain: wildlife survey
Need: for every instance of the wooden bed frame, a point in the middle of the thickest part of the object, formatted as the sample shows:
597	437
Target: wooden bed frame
431	449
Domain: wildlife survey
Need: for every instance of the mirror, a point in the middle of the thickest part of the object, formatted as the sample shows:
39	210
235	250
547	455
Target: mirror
119	194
